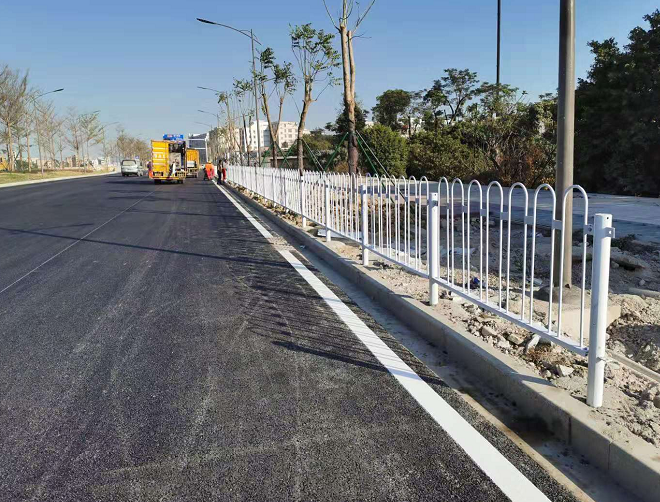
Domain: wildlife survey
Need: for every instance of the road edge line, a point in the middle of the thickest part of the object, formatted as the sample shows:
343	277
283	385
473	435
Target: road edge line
632	464
513	483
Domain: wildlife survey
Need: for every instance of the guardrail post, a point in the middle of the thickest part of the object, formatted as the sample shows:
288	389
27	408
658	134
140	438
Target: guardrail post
433	244
286	206
326	210
600	278
364	209
272	186
302	201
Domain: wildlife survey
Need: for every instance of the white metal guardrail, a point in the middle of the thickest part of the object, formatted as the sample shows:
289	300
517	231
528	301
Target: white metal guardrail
428	229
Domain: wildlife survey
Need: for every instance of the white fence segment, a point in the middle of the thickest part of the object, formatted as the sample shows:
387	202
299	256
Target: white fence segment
453	234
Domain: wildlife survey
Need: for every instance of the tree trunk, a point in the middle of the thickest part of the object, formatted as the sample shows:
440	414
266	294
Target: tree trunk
348	66
52	150
247	142
27	143
20	150
84	159
279	121
271	130
10	149
301	127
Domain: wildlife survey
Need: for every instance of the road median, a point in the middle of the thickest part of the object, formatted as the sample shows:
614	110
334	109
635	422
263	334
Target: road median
630	461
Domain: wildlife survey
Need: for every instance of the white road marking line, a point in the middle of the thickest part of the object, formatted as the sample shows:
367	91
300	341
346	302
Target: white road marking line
489	459
74	243
250	218
509	479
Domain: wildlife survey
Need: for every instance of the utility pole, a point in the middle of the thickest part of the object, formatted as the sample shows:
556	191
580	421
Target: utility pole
256	100
499	37
565	136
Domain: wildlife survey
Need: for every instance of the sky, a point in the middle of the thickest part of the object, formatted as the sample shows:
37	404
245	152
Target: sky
139	62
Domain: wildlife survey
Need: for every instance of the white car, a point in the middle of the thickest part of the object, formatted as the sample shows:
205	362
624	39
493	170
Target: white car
130	168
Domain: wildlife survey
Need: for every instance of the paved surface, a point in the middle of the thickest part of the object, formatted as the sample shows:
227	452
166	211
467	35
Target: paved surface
154	346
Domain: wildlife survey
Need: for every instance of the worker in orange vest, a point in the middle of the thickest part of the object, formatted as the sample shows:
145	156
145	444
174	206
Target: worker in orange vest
208	171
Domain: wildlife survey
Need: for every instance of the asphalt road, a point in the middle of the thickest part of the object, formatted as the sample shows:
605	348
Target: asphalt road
155	346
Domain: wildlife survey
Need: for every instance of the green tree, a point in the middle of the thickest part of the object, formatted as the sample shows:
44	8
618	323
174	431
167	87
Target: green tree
449	96
340	125
514	138
273	77
435	154
617	126
316	60
390	107
389	147
321	146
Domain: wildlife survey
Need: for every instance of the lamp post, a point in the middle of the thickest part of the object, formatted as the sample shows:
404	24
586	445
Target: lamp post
499	38
565	136
254	74
36	124
230	121
217	116
211	129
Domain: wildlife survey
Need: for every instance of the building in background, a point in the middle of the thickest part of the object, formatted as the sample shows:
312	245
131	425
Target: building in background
198	142
286	134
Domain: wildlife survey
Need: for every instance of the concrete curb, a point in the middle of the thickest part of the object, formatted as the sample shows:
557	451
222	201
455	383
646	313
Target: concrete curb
634	464
63	178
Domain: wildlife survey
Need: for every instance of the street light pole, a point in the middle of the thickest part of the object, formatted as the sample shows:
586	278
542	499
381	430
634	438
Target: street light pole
217	116
565	136
36	125
229	122
254	74
499	37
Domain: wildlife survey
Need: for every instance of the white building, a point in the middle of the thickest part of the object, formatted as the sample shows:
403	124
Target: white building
286	134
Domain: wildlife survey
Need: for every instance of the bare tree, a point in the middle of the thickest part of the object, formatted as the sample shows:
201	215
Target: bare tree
74	135
92	131
316	58
27	131
61	140
13	94
130	147
229	100
348	64
48	125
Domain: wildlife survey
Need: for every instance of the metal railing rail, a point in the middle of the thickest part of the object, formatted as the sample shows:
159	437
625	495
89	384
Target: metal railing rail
402	221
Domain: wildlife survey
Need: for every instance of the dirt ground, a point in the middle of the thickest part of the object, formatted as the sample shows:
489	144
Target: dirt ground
632	400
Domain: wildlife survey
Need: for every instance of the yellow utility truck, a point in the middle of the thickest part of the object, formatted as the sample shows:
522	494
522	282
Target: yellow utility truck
168	159
192	163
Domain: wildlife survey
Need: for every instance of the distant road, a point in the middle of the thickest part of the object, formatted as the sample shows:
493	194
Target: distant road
155	346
